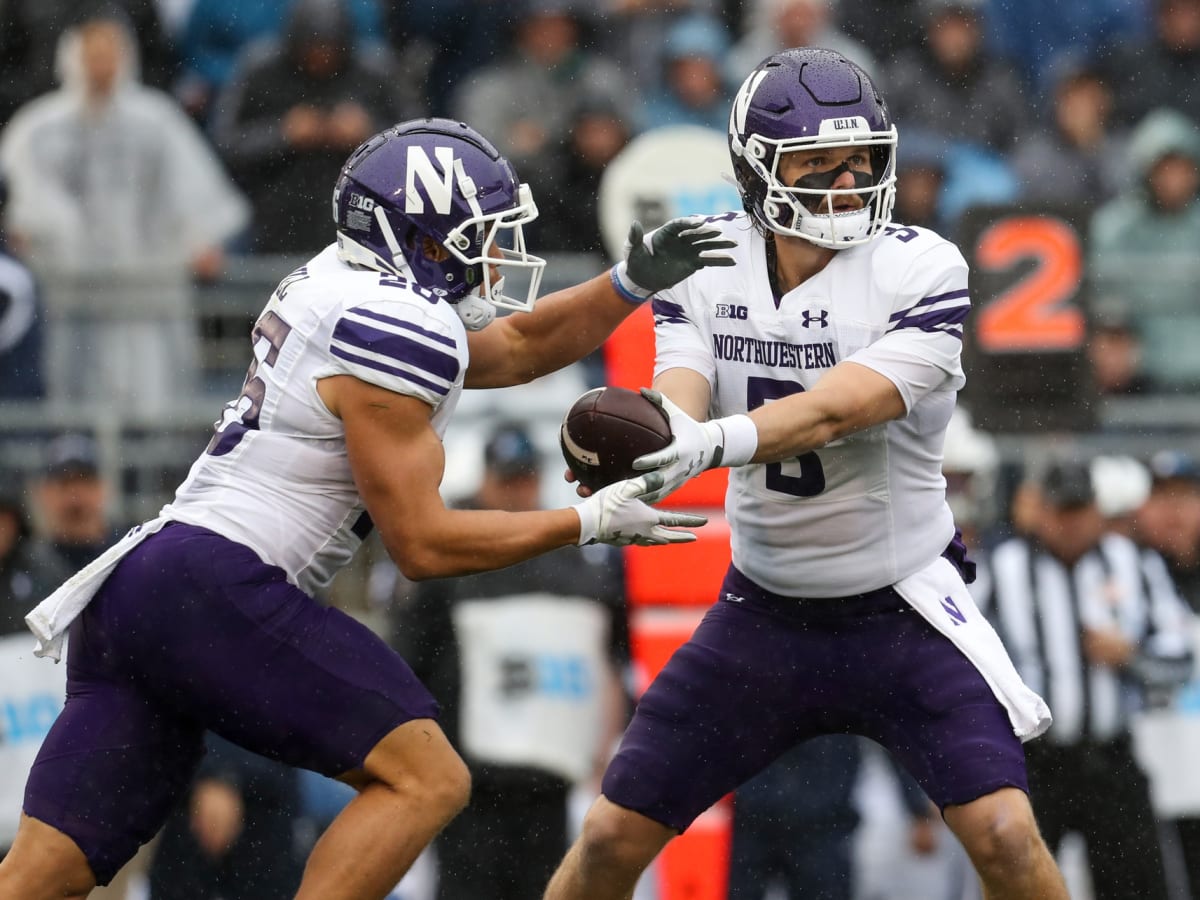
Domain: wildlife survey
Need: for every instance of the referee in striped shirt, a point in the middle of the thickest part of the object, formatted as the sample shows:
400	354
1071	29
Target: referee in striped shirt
1095	625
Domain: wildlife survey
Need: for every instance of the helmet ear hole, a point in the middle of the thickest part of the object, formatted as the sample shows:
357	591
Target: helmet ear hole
433	250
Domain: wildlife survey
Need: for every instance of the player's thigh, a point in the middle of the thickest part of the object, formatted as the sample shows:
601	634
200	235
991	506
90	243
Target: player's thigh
726	704
111	768
940	719
212	629
332	697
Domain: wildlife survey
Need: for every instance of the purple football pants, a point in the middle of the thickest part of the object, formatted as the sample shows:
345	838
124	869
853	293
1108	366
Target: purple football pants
192	632
764	672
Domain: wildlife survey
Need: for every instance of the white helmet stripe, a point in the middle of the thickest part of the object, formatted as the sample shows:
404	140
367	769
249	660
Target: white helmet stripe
389	236
467	189
741	103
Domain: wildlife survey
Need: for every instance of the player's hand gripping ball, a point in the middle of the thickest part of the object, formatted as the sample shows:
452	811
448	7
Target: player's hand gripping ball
605	430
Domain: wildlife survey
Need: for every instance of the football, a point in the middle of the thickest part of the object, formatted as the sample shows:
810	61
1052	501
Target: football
606	429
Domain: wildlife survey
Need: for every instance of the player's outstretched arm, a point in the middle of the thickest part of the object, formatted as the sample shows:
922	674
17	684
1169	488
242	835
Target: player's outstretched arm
569	324
398	461
847	399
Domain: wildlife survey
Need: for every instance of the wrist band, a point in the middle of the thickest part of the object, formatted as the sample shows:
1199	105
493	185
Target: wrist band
588	522
630	292
740	439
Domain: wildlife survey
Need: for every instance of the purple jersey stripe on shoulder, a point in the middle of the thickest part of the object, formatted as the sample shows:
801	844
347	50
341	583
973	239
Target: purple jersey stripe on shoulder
398	347
962	294
440	390
938	320
666	311
401	323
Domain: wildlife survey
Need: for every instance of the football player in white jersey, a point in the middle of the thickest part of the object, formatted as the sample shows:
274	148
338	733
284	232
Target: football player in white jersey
204	618
828	358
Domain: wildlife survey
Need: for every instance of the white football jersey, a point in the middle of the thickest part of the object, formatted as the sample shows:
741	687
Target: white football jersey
275	476
866	510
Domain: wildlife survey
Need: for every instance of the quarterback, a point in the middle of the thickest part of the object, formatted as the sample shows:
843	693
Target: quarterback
204	618
829	357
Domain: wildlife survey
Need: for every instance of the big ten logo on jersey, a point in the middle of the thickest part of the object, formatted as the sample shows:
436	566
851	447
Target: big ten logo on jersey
731	311
664	173
564	677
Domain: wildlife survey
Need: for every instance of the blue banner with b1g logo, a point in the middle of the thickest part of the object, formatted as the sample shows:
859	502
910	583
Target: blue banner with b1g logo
534	666
32	692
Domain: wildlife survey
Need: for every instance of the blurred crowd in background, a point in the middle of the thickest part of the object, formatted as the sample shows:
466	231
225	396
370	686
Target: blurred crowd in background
142	140
146	144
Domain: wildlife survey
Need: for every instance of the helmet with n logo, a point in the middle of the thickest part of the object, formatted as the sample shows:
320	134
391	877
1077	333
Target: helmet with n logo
434	201
808	99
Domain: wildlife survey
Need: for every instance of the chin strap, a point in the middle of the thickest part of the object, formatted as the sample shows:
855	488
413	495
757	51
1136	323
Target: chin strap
475	312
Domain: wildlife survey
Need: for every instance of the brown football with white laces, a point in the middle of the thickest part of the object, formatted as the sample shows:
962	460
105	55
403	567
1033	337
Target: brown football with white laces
606	429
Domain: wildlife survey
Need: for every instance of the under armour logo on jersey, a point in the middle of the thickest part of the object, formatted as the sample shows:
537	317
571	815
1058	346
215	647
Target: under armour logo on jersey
437	185
956	614
820	317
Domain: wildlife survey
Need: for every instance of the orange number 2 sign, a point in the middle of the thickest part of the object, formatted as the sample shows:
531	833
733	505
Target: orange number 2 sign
1035	314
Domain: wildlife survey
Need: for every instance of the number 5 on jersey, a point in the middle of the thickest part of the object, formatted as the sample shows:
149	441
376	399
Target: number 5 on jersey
811	480
241	415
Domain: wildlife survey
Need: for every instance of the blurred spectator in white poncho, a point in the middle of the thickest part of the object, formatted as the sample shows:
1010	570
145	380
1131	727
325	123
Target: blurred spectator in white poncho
118	204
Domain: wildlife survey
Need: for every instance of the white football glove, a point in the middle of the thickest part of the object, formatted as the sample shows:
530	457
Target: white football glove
617	515
696	446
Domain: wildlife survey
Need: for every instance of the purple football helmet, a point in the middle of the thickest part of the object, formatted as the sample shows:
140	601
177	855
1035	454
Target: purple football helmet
439	179
803	99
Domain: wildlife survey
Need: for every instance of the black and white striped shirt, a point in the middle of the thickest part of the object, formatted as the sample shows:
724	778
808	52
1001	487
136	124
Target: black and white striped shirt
1041	608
